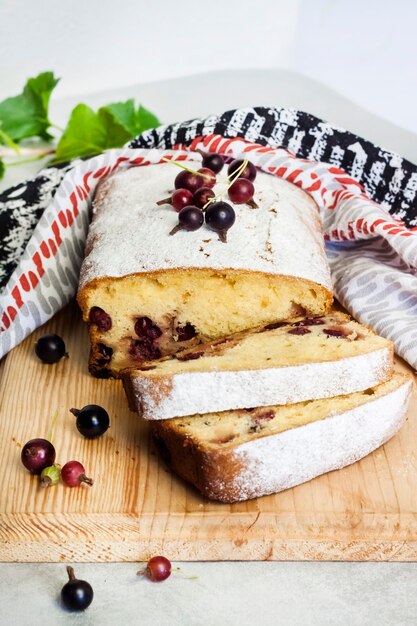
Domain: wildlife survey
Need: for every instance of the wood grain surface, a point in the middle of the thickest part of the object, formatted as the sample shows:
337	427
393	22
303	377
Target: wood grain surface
136	508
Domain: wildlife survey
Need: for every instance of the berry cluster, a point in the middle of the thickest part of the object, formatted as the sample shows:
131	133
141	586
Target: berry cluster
196	202
38	455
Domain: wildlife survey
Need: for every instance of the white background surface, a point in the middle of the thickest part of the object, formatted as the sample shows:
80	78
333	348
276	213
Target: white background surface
364	51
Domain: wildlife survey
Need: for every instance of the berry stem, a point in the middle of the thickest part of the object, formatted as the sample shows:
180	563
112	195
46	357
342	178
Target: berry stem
70	572
45	482
252	204
164	201
187	169
84	479
54	418
75	412
176	229
234	177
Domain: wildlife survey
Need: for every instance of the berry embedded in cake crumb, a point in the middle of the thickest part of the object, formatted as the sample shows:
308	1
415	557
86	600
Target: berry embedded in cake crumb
144	350
310	321
147	329
299	330
186	332
100	318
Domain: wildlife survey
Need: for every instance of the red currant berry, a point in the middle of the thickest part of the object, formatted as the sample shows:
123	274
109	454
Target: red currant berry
73	474
209	178
248	172
157	569
189	180
202	196
241	191
181	198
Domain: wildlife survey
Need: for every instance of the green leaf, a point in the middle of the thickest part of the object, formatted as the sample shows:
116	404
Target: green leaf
89	133
2	169
145	120
26	115
124	113
135	121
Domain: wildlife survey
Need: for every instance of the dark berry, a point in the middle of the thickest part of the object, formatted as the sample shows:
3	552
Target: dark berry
300	330
189	218
248	172
189	180
100	318
333	332
181	198
92	420
220	216
144	350
213	162
241	191
185	333
309	321
145	327
275	325
37	454
76	595
202	196
50	348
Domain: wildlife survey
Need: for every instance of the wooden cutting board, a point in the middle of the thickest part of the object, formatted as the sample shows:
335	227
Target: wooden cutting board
136	508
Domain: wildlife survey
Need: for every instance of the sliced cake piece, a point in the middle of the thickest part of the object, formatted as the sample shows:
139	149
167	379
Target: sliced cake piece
146	294
244	454
311	357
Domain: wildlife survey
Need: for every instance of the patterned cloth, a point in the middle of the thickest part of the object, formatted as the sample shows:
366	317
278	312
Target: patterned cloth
372	247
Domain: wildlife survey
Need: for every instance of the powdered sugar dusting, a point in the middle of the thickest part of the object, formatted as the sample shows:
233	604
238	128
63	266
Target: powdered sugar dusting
130	232
212	391
272	464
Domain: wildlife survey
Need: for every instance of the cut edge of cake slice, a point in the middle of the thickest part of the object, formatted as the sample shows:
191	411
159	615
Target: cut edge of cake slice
239	455
282	363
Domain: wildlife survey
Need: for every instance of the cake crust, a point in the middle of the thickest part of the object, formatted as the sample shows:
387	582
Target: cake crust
267	464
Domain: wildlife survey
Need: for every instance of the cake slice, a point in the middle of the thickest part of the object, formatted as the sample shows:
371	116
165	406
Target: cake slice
244	454
146	294
284	362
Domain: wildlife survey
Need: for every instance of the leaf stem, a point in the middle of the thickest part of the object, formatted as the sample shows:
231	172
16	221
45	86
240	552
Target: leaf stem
29	159
8	141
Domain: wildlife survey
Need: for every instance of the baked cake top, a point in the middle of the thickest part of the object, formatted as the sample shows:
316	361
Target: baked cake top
129	232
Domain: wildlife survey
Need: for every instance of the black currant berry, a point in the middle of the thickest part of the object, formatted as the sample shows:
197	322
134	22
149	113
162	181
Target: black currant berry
50	348
76	595
214	162
220	216
92	420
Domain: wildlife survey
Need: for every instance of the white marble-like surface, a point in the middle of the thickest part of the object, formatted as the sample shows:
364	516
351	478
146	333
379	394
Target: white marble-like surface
224	594
290	594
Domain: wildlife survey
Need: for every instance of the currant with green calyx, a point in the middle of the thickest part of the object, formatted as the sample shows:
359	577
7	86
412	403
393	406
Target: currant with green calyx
50	475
